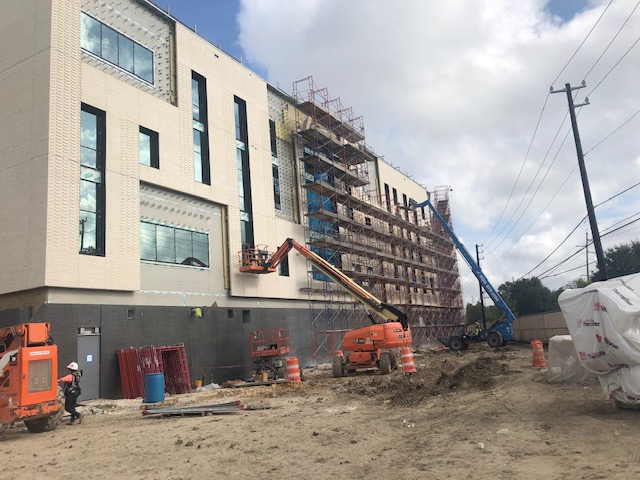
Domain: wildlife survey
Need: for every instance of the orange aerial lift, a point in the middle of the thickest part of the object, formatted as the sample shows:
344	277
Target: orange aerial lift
28	368
367	347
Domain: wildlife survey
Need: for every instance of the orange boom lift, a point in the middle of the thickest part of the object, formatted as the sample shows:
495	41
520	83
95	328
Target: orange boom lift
367	347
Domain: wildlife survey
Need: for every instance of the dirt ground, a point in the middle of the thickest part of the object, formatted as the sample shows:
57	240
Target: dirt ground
477	414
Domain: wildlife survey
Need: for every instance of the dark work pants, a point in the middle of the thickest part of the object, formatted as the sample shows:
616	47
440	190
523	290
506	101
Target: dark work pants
70	400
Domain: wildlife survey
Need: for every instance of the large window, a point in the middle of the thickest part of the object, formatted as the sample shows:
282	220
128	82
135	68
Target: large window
274	165
200	128
113	47
163	243
149	148
244	176
92	165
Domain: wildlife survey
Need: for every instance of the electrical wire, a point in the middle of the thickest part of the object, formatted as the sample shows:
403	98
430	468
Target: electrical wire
485	241
614	67
583	219
614	131
583	41
612	40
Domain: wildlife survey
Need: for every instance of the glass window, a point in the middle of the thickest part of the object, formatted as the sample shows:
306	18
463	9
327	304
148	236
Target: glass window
109	44
92	158
184	248
113	47
163	243
125	53
195	99
143	62
145	149
148	148
90	35
200	129
147	241
201	247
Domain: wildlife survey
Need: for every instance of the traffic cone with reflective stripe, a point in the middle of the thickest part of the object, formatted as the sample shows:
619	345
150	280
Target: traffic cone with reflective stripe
538	354
406	357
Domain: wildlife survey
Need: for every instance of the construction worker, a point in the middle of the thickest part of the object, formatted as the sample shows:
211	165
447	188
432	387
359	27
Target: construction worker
72	391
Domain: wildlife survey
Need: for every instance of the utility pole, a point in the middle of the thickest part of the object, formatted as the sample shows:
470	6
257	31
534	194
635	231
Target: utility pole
595	234
484	320
586	249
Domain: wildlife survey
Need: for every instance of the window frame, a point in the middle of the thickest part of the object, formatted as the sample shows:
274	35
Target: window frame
202	171
154	147
146	223
130	71
99	168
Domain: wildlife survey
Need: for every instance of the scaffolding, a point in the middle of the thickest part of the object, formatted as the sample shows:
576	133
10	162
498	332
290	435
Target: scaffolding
402	257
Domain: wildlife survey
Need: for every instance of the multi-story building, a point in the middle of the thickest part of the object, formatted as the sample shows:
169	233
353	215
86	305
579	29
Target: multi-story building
137	160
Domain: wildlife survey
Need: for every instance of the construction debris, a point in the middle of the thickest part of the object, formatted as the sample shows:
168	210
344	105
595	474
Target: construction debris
202	410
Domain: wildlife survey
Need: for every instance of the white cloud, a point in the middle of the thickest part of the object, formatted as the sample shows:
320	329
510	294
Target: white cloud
451	92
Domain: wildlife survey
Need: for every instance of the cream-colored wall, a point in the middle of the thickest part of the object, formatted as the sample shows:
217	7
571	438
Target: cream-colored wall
401	182
44	78
25	36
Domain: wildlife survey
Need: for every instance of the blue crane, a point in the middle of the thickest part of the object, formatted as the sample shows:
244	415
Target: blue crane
500	332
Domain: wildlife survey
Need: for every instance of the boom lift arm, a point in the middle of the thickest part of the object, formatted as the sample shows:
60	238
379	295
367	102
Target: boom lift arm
387	312
503	328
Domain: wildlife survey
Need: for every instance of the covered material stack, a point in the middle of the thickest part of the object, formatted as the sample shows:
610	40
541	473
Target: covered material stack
563	363
604	321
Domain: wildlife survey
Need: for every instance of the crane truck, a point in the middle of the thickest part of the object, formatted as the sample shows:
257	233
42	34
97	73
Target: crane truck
28	368
501	331
368	347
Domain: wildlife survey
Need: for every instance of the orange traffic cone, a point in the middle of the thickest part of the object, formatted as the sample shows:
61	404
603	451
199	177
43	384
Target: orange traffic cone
406	357
538	354
293	370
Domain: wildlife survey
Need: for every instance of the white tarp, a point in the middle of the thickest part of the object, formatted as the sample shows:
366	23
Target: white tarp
604	321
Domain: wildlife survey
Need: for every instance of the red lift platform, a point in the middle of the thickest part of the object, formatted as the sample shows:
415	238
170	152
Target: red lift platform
266	347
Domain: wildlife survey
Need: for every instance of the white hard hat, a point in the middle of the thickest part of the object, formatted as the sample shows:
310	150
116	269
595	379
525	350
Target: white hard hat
72	366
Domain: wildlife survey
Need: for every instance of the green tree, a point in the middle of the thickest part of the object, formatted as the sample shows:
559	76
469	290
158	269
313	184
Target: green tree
621	260
474	313
527	295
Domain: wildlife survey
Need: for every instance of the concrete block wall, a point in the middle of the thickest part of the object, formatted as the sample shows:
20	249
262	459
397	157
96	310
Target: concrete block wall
216	344
539	327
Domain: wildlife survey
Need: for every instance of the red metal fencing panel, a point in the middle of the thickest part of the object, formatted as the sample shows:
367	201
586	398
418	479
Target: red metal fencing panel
136	362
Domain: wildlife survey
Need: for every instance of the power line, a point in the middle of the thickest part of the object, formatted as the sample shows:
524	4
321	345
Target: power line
583	219
544	106
538	125
607	137
583	41
614	67
612	40
536	192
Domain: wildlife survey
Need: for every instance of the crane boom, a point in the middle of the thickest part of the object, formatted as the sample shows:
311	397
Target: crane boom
387	312
504	328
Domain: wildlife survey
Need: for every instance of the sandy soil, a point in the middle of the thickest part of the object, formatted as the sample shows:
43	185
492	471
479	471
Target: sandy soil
478	414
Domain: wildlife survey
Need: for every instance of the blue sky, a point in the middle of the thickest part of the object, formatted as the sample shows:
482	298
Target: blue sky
456	93
214	20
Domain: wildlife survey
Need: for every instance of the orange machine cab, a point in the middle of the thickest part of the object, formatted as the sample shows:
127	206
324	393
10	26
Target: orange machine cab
375	337
28	386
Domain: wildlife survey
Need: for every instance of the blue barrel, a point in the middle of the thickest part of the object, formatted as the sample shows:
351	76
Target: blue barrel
153	387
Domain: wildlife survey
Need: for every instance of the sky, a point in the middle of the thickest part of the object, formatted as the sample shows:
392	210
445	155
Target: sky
457	94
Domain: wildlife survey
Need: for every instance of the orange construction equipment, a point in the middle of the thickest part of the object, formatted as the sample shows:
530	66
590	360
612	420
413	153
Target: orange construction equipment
538	354
406	357
28	370
367	347
293	370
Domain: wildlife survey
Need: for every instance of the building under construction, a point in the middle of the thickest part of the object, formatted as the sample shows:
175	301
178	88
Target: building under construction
142	159
355	215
